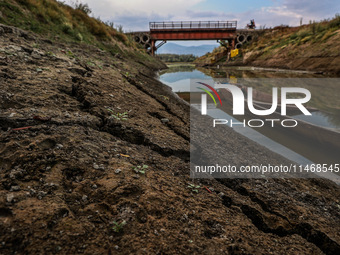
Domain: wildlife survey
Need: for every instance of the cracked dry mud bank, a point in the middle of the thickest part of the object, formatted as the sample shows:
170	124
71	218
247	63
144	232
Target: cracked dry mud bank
67	177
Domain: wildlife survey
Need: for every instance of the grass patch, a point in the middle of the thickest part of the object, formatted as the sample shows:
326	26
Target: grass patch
52	18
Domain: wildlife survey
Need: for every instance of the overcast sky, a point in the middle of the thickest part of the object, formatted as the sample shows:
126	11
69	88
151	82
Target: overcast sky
135	15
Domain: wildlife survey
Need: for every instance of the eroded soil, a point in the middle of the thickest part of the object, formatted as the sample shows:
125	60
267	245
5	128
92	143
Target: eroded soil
89	118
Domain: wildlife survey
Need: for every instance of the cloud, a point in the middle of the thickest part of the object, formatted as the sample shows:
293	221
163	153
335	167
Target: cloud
290	12
138	22
317	9
209	15
135	15
112	8
263	17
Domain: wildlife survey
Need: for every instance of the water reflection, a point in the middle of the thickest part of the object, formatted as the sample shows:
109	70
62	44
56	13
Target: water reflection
321	119
325	102
178	77
325	95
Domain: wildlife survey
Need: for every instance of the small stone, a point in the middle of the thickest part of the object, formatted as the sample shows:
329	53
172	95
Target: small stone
35	54
15	48
116	247
9	198
15	188
39	70
185	217
136	176
59	146
84	198
164	120
221	194
94	186
117	171
21	54
95	166
48	168
41	194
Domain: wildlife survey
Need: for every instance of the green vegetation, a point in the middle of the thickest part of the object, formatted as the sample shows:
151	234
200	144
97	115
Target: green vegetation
53	18
314	33
179	67
118	226
177	58
193	187
140	169
217	54
119	116
60	22
83	7
285	39
164	97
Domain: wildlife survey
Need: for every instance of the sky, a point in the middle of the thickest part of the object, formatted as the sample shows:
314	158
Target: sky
135	15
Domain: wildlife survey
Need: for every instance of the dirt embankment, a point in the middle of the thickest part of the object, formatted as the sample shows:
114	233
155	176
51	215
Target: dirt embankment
313	47
75	124
296	49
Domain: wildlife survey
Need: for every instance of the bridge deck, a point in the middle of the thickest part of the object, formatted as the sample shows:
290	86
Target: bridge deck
201	25
193	30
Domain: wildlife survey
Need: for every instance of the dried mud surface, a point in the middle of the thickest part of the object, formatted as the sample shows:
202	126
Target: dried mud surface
67	177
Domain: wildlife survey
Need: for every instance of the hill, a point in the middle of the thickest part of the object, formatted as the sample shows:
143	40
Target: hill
313	47
173	48
57	20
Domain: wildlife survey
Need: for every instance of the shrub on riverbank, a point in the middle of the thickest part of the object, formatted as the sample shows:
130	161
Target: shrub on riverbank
177	57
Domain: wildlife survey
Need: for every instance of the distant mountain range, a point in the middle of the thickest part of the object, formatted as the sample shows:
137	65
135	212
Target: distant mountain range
173	48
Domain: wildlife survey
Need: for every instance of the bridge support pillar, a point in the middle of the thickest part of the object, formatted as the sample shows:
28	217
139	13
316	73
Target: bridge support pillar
153	47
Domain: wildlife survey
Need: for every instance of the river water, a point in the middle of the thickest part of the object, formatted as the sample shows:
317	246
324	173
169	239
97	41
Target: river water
325	100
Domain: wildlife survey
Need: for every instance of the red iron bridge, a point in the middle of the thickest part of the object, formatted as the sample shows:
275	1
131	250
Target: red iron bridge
192	30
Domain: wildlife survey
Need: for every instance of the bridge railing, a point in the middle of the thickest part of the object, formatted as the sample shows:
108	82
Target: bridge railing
193	25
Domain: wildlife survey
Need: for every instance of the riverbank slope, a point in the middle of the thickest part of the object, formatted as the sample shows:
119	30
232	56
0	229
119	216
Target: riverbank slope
313	47
94	159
